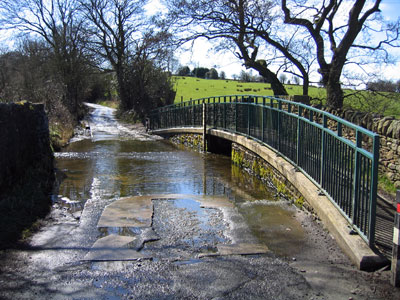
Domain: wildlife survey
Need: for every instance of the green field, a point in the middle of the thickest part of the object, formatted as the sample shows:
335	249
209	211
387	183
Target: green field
194	88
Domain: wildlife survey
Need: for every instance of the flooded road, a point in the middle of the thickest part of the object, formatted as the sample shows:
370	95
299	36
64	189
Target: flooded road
136	217
111	162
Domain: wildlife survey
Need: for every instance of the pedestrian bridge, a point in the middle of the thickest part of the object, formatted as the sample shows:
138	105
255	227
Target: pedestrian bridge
337	159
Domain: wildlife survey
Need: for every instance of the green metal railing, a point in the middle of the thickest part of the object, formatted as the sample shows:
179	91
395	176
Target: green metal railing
339	157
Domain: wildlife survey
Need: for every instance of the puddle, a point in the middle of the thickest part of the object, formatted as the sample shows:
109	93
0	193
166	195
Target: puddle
182	222
193	206
274	226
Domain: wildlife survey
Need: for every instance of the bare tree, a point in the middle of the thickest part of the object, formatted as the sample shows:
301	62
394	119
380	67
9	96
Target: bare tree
253	30
283	78
296	80
59	24
340	29
123	37
112	26
224	22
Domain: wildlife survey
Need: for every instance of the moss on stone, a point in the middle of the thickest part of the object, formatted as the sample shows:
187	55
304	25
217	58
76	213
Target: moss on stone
261	169
299	202
192	141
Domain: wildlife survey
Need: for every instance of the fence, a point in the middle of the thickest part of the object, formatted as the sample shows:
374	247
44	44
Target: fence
314	141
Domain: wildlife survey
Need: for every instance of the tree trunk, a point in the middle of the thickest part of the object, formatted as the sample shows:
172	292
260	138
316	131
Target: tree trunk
331	80
276	86
334	94
306	84
123	89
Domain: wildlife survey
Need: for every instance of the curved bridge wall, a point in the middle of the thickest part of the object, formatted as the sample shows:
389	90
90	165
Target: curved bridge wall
310	139
353	245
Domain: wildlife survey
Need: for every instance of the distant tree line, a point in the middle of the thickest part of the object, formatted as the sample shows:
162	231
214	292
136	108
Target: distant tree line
384	86
200	72
205	73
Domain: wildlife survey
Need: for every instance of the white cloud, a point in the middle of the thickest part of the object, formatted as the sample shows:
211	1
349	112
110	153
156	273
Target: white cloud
153	7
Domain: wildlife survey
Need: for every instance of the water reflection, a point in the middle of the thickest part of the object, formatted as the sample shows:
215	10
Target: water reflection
114	167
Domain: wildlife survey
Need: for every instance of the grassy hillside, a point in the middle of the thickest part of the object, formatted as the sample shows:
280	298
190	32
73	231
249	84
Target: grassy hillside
191	87
194	88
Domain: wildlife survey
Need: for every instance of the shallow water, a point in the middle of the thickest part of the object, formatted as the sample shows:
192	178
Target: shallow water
111	162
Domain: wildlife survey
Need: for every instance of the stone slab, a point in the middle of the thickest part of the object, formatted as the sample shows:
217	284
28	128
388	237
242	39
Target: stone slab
204	200
128	212
113	248
215	202
238	249
137	211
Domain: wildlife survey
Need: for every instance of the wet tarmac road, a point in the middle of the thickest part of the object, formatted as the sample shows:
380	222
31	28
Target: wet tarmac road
188	249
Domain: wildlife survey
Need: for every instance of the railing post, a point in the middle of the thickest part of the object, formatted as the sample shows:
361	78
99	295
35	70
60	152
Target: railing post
323	150
174	112
395	278
374	190
339	129
262	121
356	179
248	119
279	125
204	127
298	152
192	104
236	114
219	117
225	112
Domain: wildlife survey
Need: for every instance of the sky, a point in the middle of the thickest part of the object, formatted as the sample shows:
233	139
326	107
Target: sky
201	54
391	11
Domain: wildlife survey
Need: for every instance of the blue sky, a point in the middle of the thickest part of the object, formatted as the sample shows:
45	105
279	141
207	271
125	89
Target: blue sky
391	9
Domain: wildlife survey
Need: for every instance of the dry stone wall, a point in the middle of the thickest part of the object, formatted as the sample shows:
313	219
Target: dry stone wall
388	129
26	169
24	142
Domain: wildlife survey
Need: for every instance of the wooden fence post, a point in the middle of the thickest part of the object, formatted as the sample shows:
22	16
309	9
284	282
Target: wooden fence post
395	279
